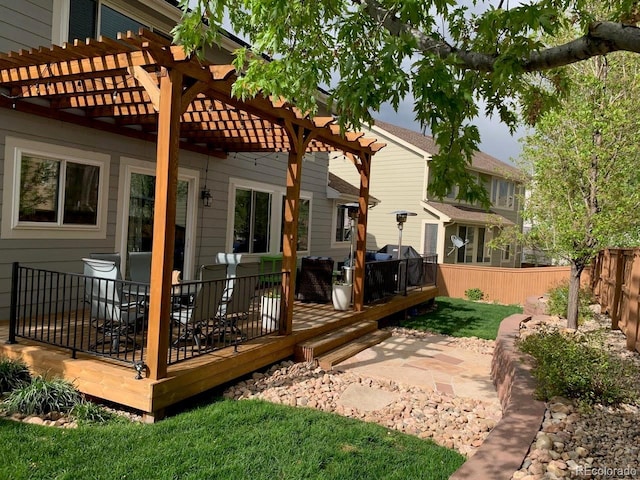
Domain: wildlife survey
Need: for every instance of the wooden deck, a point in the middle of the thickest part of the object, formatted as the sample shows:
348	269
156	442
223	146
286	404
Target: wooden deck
102	378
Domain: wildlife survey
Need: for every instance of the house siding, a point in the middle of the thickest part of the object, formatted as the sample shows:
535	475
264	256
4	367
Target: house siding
25	24
211	223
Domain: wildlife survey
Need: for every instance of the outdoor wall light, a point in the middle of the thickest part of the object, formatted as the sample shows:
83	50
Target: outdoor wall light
206	197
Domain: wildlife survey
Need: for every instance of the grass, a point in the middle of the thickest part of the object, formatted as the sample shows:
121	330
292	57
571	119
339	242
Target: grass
227	440
462	318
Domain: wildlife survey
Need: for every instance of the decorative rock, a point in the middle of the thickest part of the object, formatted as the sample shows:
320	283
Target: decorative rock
543	442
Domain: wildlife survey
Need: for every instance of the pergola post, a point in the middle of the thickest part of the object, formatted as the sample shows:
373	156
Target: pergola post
364	167
164	219
299	138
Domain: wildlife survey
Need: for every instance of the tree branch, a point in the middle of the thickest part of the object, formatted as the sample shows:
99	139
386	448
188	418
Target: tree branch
602	38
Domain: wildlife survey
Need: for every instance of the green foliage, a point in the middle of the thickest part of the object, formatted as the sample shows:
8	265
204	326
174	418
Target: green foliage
559	302
455	59
43	396
13	374
462	318
86	412
474	294
580	367
225	439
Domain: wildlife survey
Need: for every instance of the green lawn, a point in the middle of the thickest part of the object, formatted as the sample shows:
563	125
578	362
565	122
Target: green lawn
226	440
462	318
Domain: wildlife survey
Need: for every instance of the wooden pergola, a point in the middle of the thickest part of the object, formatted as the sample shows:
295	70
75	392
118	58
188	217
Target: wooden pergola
141	86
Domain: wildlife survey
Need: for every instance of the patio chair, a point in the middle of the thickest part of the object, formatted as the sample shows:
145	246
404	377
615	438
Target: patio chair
109	257
239	296
119	315
140	267
193	319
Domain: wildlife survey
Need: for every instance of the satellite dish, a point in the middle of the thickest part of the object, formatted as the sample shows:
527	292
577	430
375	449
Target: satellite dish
457	243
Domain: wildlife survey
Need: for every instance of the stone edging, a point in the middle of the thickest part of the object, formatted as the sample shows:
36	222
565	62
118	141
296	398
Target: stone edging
505	448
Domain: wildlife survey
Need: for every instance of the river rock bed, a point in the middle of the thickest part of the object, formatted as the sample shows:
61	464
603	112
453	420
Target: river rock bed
453	422
600	442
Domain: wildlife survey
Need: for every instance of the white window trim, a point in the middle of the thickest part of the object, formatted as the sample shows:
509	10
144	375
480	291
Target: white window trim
12	228
60	21
334	226
132	165
277	194
440	238
494	193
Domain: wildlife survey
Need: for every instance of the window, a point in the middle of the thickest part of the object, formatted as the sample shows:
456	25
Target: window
256	218
252	221
502	193
92	18
54	188
343	224
430	245
506	253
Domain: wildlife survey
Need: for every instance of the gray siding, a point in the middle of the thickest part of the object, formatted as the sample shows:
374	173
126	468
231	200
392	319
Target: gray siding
25	24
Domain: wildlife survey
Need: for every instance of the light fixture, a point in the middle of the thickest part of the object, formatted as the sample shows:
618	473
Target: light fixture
401	217
205	196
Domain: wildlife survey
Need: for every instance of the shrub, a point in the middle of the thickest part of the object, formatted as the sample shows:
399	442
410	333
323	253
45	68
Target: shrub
578	366
43	396
13	374
559	302
474	294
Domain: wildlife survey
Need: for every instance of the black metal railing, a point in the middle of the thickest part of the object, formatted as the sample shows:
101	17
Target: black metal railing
212	315
78	312
387	278
108	318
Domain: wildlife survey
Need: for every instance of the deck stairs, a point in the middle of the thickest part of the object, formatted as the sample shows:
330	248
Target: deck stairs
336	346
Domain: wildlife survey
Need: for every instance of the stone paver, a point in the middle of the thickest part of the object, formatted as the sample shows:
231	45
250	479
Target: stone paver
434	363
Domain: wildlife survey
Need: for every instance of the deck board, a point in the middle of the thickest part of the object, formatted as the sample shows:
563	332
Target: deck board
115	382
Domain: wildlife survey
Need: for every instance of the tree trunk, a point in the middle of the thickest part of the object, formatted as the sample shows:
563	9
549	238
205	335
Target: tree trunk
573	300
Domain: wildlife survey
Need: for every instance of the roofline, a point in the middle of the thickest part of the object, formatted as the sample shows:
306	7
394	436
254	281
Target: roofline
432	209
402	142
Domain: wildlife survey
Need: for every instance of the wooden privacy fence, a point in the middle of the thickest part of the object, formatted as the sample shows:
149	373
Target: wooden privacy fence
504	285
615	282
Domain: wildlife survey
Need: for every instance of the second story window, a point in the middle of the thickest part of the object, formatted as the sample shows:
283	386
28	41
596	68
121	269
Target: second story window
502	193
92	18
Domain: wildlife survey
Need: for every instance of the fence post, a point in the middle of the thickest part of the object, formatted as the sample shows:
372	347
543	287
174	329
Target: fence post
13	312
633	302
617	291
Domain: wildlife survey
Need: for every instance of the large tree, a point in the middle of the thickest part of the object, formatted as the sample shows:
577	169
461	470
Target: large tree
454	57
583	160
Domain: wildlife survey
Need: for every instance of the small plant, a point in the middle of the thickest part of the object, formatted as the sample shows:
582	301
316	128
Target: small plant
87	412
43	396
559	302
474	294
13	374
578	366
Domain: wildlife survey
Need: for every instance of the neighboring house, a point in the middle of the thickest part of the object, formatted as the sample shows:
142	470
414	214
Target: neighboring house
100	194
399	179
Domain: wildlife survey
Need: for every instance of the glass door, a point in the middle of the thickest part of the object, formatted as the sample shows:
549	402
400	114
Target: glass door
136	208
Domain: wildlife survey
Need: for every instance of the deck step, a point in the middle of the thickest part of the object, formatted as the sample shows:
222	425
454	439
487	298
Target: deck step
340	354
309	350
